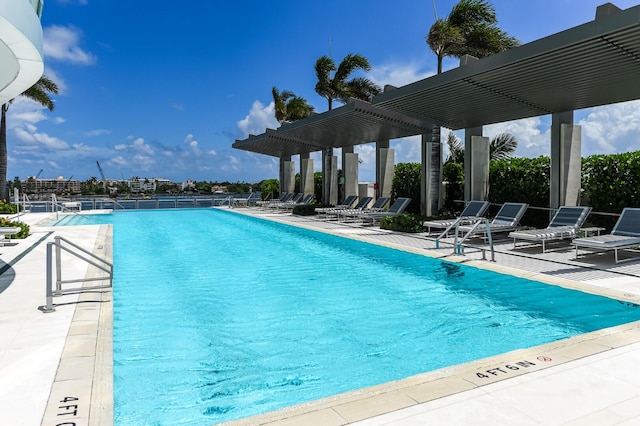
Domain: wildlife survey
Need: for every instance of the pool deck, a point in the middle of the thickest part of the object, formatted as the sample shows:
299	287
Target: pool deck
57	367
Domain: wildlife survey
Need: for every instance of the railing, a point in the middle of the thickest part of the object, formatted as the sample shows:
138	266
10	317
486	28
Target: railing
458	247
80	253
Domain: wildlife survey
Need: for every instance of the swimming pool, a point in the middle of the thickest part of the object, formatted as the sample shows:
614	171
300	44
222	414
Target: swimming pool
219	316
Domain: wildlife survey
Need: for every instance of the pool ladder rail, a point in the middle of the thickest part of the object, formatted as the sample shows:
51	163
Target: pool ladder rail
458	246
80	253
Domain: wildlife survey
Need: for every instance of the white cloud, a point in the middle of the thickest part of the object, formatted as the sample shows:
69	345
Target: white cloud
611	129
62	44
140	146
258	120
397	74
59	120
98	132
212	152
532	134
193	144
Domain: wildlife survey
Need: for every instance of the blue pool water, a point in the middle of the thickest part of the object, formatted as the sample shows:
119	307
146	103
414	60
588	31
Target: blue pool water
219	316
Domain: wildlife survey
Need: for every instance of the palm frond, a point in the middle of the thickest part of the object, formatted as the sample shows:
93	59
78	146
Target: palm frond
502	146
349	64
360	88
456	149
39	92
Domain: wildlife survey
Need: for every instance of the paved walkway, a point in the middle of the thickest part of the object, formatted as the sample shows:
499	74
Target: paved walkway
56	368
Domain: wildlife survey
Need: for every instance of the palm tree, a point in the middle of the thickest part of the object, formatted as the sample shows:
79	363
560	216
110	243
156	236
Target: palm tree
501	146
471	28
39	93
288	107
336	87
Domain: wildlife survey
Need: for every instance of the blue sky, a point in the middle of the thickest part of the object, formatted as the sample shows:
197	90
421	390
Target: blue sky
153	90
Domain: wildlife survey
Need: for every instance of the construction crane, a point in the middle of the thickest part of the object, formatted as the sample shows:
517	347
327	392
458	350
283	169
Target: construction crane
101	172
39	173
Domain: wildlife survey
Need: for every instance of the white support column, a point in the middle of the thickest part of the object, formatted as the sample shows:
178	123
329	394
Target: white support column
476	165
350	173
566	161
386	170
289	176
306	174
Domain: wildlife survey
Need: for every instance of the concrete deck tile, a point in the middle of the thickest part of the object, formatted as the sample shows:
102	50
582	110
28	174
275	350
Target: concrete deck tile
373	405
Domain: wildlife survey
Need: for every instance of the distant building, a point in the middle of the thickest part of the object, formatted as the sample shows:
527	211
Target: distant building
219	189
50	186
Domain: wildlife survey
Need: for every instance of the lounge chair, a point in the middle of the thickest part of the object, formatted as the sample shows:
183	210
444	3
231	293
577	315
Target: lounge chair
285	196
346	204
358	208
625	234
507	219
396	208
378	206
290	205
564	225
468	215
293	200
8	230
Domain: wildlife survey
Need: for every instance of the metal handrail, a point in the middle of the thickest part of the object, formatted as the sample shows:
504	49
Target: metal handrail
88	257
458	246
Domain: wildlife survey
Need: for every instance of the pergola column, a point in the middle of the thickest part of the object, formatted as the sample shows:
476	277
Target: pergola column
329	177
384	168
306	174
349	171
476	165
287	174
566	161
431	172
282	172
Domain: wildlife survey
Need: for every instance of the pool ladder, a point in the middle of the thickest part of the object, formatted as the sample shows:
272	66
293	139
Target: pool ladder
458	246
80	253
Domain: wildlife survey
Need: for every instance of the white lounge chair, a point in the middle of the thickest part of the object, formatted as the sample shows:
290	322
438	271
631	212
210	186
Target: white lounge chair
358	208
507	219
8	230
396	208
564	225
625	234
346	204
378	206
468	215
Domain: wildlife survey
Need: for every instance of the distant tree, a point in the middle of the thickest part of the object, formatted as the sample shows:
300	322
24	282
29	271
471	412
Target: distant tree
288	107
270	189
333	84
39	93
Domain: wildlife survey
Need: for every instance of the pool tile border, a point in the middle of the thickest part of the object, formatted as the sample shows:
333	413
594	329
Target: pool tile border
82	391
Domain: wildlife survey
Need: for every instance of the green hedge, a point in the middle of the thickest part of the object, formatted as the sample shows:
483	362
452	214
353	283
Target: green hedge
406	183
403	223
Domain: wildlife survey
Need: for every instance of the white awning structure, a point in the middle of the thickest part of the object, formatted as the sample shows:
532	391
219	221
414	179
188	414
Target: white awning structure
21	57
